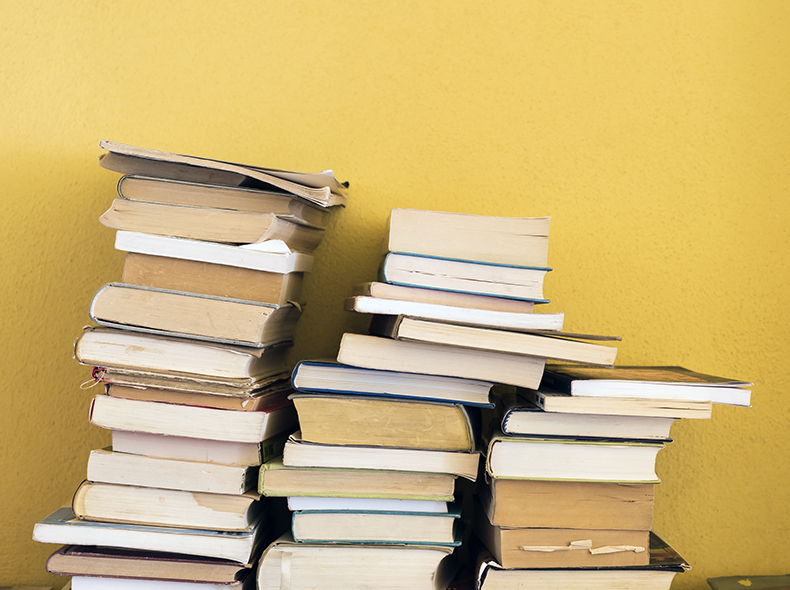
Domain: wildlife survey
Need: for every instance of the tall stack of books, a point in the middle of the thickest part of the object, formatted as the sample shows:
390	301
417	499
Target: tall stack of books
452	316
567	500
191	346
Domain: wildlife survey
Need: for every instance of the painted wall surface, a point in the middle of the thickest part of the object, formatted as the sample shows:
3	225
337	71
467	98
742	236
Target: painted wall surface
656	135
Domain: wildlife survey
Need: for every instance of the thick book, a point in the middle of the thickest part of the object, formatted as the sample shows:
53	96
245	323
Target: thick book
110	348
664	563
204	317
211	225
460	315
461	276
522	241
250	257
276	479
558	402
330	504
64	528
298	453
106	466
180	448
199	194
192	421
568	459
562	547
375	352
252	402
329	376
206	278
666	383
106	502
521	417
546	345
355	567
518	503
318	188
448	298
90	560
376	527
337	419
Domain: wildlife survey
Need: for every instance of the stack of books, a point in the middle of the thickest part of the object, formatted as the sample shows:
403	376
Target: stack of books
567	496
191	346
452	315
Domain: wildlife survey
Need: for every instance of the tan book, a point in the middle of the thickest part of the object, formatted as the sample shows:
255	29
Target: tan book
567	504
320	188
374	352
249	403
106	502
196	194
562	548
218	280
335	419
210	225
520	241
449	298
278	480
117	305
475	337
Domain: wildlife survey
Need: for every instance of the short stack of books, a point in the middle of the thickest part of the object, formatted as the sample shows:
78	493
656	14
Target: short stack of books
567	496
191	347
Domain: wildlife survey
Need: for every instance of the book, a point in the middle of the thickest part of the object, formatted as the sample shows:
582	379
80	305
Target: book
516	503
64	528
355	567
250	257
255	401
116	583
658	574
107	502
555	401
110	348
337	419
562	347
475	278
448	298
211	225
521	417
198	194
376	527
241	387
90	560
175	313
181	448
751	582
278	480
106	466
332	377
561	547
298	453
324	504
192	421
458	315
319	188
522	241
374	352
666	383
205	278
572	459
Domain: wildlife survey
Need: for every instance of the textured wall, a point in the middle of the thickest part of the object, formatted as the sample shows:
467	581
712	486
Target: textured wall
654	133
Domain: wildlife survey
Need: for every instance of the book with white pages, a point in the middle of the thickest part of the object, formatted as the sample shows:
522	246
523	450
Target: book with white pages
459	315
108	583
302	503
264	257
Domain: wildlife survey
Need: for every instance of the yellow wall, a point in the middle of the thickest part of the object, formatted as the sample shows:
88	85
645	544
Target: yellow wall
656	135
